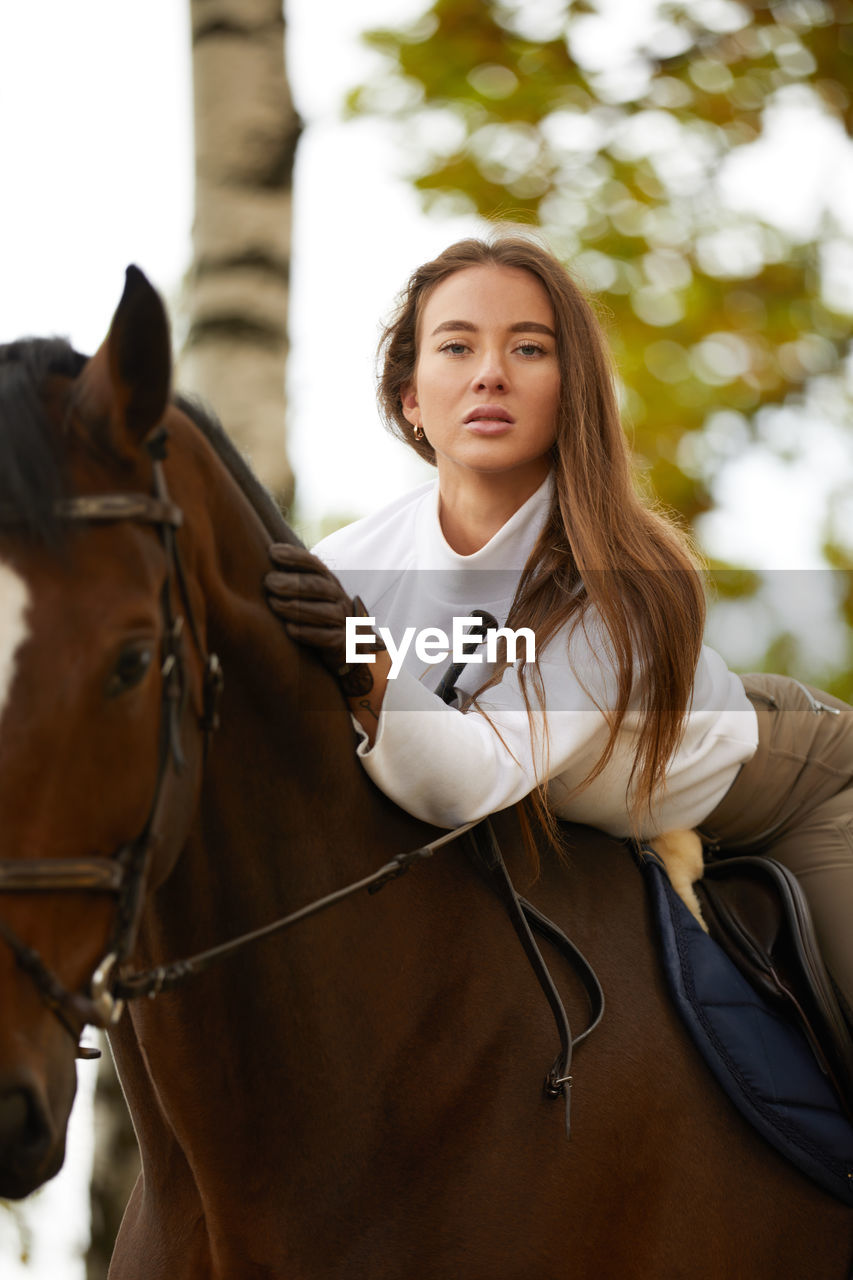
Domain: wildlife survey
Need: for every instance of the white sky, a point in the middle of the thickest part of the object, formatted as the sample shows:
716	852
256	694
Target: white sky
96	166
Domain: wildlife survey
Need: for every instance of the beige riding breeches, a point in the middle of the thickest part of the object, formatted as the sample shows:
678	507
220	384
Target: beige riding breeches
794	801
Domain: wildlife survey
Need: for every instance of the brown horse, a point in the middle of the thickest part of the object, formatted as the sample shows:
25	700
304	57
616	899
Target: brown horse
360	1097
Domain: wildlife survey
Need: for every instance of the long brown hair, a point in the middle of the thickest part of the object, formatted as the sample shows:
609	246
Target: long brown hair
603	546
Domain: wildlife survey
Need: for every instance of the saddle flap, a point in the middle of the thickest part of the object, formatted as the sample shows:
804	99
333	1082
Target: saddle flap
761	1058
755	909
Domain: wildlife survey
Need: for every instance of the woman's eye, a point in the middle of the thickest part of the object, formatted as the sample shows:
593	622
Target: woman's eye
454	348
530	348
129	670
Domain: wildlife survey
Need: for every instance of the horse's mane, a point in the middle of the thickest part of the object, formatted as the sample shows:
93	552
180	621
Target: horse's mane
259	498
32	469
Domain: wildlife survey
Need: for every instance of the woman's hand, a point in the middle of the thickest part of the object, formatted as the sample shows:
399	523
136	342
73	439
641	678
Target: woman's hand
310	601
314	608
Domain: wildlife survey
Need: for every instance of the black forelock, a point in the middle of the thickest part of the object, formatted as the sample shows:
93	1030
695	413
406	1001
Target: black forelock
32	467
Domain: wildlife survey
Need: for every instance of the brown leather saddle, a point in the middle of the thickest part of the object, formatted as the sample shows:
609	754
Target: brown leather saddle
756	911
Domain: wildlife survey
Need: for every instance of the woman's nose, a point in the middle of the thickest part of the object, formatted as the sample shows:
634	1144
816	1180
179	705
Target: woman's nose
491	374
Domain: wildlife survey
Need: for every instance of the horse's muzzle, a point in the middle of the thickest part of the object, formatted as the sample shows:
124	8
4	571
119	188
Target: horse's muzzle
29	1152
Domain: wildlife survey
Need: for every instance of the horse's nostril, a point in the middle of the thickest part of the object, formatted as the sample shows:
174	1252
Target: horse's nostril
23	1130
28	1154
13	1111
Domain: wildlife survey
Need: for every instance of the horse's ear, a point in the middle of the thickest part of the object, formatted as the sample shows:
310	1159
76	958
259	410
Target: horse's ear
124	388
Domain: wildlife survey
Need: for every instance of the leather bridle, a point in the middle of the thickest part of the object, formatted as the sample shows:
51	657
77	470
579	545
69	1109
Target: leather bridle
125	873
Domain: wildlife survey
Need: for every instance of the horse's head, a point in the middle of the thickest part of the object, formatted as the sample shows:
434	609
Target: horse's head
101	691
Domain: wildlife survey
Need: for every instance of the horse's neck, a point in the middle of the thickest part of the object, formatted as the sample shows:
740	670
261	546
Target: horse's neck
293	1058
291	805
286	815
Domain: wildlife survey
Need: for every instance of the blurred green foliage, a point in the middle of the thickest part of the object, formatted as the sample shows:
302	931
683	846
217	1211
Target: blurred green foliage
717	318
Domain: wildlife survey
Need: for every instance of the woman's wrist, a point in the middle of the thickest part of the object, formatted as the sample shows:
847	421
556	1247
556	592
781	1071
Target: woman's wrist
367	706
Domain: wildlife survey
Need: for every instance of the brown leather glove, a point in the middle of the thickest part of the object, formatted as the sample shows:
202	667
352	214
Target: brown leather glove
314	608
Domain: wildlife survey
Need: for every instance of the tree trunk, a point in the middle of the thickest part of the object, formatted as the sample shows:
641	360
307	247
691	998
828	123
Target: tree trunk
246	130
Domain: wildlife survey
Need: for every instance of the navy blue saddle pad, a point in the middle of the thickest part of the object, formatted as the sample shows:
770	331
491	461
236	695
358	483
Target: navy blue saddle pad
763	1062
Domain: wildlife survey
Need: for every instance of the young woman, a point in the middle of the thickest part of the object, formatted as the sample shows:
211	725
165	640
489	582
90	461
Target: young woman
496	371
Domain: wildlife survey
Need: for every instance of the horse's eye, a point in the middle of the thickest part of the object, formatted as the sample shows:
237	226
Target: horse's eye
133	662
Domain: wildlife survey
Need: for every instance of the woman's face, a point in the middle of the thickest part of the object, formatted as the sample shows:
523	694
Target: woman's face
487	381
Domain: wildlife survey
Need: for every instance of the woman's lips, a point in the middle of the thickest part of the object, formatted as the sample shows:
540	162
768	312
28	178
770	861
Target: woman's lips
488	420
488	427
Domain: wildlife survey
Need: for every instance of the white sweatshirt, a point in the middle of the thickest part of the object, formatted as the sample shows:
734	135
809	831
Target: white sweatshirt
448	767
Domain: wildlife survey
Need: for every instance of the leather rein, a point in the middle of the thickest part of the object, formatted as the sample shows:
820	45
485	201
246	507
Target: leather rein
124	874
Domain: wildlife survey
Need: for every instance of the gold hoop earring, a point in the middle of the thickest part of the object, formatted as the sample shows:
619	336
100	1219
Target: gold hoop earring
419	432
